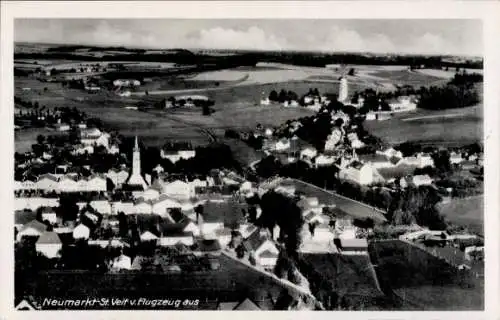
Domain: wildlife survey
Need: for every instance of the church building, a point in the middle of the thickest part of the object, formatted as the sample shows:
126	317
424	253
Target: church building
135	181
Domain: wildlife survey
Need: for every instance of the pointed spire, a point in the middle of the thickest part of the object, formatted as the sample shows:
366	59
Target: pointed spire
136	145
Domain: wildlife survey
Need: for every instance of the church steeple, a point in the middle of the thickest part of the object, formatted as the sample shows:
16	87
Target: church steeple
136	145
135	177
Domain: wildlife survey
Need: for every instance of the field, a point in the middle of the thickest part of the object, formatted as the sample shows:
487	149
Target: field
27	137
445	127
237	93
468	212
424	280
405	77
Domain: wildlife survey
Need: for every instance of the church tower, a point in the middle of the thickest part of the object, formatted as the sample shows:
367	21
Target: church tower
136	159
343	90
135	178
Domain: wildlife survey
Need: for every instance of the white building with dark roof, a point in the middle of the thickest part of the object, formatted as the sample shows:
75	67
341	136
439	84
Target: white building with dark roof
49	244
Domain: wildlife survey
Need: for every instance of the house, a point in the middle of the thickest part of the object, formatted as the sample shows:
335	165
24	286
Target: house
97	183
262	249
245	305
333	139
150	194
456	158
224	236
390	152
174	233
81	232
127	207
376	160
101	206
34	203
474	253
49	244
112	243
370	116
265	102
425	160
48	214
178	189
358	172
421	180
25	306
47	182
207	247
143	206
82	149
352	246
402	103
282	145
117	176
33	228
67	184
175	156
122	262
308	153
164	203
324	160
148	236
62	127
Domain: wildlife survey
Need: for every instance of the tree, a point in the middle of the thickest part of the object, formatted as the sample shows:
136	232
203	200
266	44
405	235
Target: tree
273	96
280	210
68	209
206	110
268	167
40	139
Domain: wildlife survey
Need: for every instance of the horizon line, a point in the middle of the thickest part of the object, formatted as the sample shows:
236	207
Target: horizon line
253	50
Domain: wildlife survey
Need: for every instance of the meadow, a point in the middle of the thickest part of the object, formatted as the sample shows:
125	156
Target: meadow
237	94
452	127
467	212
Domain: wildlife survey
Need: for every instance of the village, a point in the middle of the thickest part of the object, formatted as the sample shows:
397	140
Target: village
131	216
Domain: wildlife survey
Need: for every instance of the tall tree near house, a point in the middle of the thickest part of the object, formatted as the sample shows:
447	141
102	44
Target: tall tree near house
280	210
273	96
40	139
122	224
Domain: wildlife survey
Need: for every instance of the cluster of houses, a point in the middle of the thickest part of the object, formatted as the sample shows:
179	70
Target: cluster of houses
61	183
220	224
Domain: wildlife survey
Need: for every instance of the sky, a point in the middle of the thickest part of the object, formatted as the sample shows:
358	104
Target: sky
416	36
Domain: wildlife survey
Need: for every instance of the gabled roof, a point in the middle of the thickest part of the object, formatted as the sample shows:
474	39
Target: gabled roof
35	224
268	254
247	305
148	235
375	157
356	165
48	176
255	240
178	216
394	160
49	238
354	243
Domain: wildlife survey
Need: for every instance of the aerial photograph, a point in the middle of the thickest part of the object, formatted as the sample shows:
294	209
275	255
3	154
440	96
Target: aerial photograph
248	164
